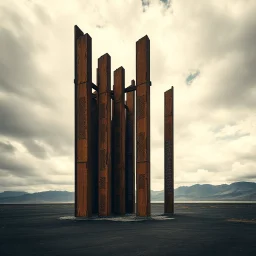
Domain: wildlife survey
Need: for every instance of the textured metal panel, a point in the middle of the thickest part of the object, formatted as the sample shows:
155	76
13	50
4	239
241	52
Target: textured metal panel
118	171
168	153
104	97
143	191
143	126
82	192
112	154
130	152
143	60
83	187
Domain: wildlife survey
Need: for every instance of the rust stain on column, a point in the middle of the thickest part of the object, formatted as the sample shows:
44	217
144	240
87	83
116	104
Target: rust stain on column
118	171
94	148
104	96
168	153
143	126
83	91
129	151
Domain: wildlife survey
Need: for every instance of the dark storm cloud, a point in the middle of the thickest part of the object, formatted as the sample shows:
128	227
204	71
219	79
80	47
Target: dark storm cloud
35	149
18	72
16	168
245	177
230	42
23	83
6	147
25	124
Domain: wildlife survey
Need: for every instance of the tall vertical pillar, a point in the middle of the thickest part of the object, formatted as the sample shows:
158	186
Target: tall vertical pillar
77	34
83	91
129	151
112	155
143	126
119	142
104	97
94	149
168	153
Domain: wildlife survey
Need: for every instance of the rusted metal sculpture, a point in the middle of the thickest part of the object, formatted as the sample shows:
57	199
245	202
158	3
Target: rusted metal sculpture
83	95
168	153
143	126
105	145
104	97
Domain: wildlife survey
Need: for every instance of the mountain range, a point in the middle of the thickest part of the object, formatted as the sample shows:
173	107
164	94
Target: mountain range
238	191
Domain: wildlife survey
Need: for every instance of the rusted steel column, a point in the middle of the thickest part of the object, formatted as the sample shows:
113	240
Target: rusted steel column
77	34
104	96
112	154
118	171
94	129
130	154
83	91
143	126
168	153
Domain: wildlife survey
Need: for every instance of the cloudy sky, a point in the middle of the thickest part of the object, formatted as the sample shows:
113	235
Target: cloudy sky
205	49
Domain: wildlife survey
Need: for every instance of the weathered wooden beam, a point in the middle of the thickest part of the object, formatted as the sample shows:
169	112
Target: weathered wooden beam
104	93
168	153
83	91
143	126
130	151
118	171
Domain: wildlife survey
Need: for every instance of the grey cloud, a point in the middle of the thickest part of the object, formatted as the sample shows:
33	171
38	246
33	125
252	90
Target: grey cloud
6	147
233	40
24	122
233	137
16	168
19	74
35	149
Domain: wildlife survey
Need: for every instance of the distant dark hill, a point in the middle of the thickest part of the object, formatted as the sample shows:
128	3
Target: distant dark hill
239	191
235	191
12	193
41	197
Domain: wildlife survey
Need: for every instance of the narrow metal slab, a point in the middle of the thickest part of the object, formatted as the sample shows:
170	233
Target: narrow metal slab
83	95
143	126
168	153
104	154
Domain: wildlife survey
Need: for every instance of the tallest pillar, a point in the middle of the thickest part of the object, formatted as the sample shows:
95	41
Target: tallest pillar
83	95
143	126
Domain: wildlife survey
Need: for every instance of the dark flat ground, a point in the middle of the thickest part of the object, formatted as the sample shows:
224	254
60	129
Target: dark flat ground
198	229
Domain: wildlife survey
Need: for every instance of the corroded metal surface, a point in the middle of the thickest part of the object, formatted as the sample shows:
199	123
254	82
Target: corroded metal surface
77	34
104	154
112	152
168	153
118	171
83	91
94	149
129	152
143	126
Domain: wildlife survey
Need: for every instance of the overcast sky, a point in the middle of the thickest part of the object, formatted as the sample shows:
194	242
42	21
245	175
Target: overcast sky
205	49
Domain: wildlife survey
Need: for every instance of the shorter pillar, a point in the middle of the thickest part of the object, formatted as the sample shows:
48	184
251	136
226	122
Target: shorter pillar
168	153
